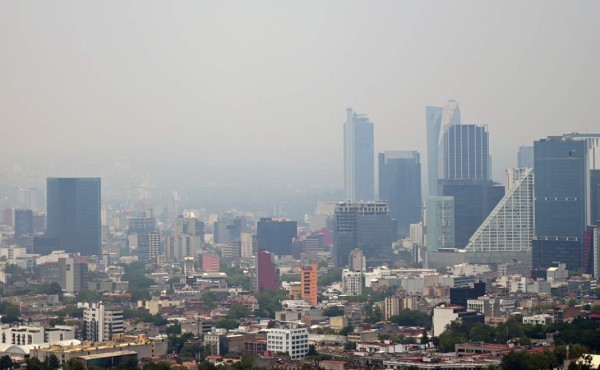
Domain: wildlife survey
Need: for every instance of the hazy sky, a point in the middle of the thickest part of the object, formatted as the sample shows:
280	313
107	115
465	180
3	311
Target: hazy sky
267	82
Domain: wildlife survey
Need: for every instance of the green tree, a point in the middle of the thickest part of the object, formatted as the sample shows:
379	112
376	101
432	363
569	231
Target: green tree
226	323
408	317
238	311
346	330
6	362
51	362
74	364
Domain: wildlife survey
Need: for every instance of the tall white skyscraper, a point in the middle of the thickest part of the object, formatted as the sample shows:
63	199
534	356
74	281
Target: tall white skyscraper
359	157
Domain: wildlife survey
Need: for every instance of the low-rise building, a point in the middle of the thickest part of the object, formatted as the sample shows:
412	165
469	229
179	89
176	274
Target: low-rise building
291	339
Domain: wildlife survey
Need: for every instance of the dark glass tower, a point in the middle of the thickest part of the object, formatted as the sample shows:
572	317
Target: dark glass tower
74	214
275	235
465	152
560	198
400	186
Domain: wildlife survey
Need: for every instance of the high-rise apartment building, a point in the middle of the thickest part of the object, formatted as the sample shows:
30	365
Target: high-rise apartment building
433	120
100	323
364	225
359	157
74	214
309	279
276	235
148	247
211	262
352	282
400	186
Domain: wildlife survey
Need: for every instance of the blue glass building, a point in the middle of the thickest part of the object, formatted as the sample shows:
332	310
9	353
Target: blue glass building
73	206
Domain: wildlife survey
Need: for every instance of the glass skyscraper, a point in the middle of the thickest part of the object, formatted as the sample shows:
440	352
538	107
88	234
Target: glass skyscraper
433	120
400	186
359	157
73	206
560	193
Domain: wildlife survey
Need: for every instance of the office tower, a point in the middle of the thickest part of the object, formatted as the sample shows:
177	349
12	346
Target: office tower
211	263
266	278
30	198
433	119
276	235
460	296
366	226
416	234
140	225
100	323
359	157
352	282
23	222
190	226
357	261
308	279
464	152
74	214
400	186
38	222
507	232
594	197
473	201
440	223
228	230
561	185
525	157
148	247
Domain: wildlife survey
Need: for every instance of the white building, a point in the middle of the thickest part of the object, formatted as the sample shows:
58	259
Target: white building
100	323
444	315
292	340
544	319
247	248
35	335
351	282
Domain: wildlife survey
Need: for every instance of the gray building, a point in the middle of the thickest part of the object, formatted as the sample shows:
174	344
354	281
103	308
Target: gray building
400	186
440	223
359	157
433	120
525	157
74	214
364	225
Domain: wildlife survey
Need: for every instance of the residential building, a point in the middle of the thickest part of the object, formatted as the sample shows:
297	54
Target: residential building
211	262
352	282
100	323
74	214
309	280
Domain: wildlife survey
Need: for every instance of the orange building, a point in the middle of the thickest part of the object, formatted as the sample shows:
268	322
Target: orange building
309	283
